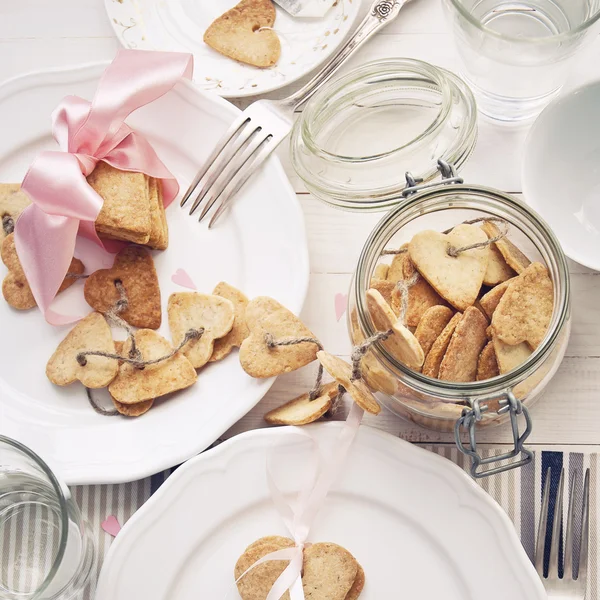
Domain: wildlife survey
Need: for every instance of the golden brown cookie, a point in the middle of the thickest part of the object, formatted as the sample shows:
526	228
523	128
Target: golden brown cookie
329	572
256	584
159	230
468	340
487	365
239	332
341	371
431	366
267	316
489	301
303	410
91	333
213	315
498	269
525	310
510	357
381	271
358	585
134	269
401	344
133	385
514	258
396	270
384	287
421	296
133	410
457	279
15	289
431	325
245	33
12	203
125	213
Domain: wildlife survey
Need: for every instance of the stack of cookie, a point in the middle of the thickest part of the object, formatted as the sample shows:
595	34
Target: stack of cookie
476	313
329	572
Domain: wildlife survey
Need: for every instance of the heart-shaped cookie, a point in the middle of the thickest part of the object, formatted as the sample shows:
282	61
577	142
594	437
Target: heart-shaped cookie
133	385
12	203
525	310
458	278
239	332
267	316
341	371
191	310
15	289
303	410
256	584
134	269
513	257
91	333
244	33
402	344
329	572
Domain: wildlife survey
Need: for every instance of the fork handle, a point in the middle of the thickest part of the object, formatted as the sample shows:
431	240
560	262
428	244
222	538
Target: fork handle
380	14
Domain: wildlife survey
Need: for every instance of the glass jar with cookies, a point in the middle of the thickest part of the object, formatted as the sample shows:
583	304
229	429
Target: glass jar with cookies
475	288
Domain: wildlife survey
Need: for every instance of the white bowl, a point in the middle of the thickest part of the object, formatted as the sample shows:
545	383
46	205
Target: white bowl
561	172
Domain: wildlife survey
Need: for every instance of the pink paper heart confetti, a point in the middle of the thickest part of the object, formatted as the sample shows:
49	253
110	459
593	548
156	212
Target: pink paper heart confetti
341	303
180	277
111	525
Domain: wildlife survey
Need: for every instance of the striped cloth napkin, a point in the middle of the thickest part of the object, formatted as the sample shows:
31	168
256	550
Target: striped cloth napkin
518	492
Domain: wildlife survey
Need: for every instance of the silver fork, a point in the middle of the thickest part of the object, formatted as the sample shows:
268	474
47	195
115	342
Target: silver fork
265	123
567	588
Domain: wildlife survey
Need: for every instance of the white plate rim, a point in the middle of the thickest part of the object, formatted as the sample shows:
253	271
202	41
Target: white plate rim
120	35
217	458
158	463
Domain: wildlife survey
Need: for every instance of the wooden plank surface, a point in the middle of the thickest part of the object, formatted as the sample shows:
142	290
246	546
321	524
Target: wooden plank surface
37	34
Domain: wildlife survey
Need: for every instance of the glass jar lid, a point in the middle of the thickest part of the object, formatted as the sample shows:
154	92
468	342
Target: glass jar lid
359	134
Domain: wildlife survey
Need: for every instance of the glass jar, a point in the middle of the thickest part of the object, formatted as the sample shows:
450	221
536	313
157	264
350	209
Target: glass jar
443	405
359	133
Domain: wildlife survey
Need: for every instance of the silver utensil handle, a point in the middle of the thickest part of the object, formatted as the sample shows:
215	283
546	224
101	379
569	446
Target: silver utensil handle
380	14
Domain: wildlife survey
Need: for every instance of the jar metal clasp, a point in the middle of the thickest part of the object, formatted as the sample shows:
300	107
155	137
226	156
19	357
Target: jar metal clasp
447	171
468	421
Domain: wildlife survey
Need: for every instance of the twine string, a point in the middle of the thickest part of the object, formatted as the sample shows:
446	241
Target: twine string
403	285
359	351
454	252
191	334
99	409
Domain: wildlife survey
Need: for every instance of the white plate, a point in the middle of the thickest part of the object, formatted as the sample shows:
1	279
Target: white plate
416	523
179	25
561	172
260	247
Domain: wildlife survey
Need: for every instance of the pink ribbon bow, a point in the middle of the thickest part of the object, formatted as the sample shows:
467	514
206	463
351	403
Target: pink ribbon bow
63	204
299	520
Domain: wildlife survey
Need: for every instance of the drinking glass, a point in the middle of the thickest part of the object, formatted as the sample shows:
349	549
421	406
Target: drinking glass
46	550
516	55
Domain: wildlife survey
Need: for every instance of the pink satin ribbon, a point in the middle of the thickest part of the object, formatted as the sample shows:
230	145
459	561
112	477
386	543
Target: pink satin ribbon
298	520
63	204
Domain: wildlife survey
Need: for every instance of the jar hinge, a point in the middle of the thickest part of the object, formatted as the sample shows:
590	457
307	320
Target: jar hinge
468	421
447	171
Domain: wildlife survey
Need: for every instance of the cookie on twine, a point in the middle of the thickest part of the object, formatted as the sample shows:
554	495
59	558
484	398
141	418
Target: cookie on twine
303	410
402	344
133	268
266	352
454	264
239	332
91	333
133	385
191	310
342	372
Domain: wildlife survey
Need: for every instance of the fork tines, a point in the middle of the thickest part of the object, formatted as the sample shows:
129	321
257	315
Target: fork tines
568	575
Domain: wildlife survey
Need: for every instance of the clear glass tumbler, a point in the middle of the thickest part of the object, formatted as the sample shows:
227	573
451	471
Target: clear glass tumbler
516	55
46	550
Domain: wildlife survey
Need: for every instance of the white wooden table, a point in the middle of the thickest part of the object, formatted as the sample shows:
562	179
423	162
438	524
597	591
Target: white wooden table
38	34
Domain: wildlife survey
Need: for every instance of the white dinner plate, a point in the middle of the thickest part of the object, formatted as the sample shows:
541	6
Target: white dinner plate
561	172
259	247
179	25
418	525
